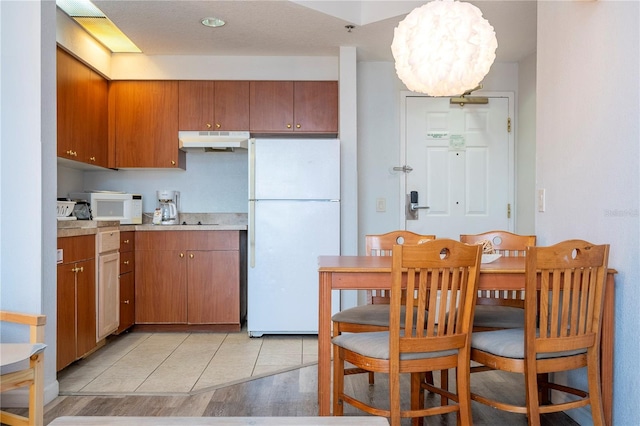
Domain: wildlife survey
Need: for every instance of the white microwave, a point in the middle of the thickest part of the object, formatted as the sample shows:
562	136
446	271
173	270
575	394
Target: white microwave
127	208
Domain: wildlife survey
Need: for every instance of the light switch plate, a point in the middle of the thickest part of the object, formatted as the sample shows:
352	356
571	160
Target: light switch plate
381	205
541	200
59	255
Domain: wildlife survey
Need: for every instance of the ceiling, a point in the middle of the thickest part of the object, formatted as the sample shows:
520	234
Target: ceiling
297	28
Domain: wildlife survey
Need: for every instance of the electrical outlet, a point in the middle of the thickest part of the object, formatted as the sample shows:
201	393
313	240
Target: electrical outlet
541	200
381	205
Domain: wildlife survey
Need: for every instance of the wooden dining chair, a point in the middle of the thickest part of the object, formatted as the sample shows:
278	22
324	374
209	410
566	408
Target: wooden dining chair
437	338
31	374
374	316
500	309
565	286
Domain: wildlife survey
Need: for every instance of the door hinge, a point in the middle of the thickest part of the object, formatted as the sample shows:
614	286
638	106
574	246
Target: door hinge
509	125
509	211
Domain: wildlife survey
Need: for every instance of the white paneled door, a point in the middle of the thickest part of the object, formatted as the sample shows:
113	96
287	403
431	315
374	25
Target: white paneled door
462	166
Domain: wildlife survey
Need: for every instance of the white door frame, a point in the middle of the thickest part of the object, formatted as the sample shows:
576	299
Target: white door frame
511	154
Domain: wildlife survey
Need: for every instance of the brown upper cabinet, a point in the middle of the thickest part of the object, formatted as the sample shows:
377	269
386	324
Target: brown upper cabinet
144	124
294	106
82	96
214	105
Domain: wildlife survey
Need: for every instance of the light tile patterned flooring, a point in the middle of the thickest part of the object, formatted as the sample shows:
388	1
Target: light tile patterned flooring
176	363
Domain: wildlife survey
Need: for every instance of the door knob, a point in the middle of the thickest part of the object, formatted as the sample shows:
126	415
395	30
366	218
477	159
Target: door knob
412	207
405	169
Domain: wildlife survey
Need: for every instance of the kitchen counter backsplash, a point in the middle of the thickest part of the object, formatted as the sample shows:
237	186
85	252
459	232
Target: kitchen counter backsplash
193	222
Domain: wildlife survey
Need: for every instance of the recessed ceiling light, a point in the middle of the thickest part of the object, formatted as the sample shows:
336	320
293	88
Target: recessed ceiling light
212	22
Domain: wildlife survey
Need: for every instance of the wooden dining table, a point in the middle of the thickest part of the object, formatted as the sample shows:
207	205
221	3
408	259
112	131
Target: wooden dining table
374	272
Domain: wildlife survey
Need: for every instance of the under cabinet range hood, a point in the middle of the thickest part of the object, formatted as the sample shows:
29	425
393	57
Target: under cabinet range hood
213	141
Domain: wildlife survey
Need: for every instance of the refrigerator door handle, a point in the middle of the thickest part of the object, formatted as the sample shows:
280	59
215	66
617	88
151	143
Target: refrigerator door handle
252	203
252	234
252	169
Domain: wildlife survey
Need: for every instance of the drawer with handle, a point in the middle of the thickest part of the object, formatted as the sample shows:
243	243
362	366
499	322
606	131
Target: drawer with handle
126	262
126	241
108	241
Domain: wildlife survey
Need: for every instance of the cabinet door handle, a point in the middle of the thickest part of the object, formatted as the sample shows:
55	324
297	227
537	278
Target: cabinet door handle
298	126
181	255
288	126
218	125
208	125
92	159
126	262
126	302
80	269
173	163
126	241
191	255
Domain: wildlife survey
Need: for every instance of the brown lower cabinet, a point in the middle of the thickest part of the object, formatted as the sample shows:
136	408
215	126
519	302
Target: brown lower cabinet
191	278
127	302
127	281
76	295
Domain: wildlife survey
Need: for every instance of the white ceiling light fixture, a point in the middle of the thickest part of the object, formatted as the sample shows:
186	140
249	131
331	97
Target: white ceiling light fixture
443	48
212	22
89	17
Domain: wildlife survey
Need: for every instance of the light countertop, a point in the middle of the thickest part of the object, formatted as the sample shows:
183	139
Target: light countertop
210	222
74	228
211	227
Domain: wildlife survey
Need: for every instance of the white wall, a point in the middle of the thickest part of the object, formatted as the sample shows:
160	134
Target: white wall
525	128
378	147
133	66
27	175
588	149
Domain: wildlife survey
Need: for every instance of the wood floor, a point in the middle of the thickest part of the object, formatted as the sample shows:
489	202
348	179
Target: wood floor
293	393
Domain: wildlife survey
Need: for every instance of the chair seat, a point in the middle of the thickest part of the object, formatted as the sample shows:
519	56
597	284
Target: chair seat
376	345
498	317
11	353
376	315
509	343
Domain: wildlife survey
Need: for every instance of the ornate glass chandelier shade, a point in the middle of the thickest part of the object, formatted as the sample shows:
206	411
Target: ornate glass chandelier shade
443	48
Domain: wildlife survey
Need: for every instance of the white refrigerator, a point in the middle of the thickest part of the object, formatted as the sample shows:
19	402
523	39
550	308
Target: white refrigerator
294	217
